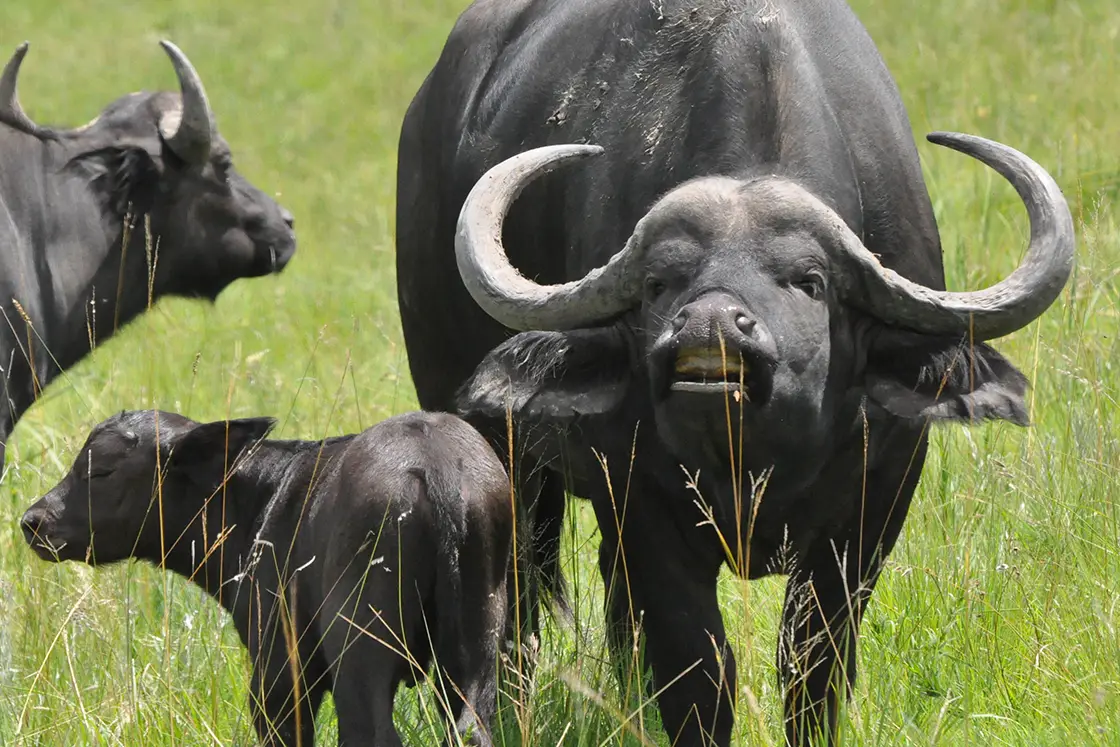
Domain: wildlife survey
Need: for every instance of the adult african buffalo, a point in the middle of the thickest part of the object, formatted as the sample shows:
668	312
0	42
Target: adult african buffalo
737	309
78	206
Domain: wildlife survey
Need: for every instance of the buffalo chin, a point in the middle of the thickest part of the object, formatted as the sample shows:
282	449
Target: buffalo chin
685	386
55	553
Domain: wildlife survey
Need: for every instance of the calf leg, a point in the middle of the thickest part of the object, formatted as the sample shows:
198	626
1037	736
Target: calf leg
471	693
283	708
374	636
363	697
278	720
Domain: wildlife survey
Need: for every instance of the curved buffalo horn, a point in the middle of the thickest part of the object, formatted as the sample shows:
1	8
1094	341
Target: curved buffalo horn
10	110
993	312
497	286
189	134
1011	304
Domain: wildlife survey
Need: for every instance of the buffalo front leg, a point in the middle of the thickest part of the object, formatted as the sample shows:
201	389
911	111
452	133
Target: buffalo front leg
826	597
817	649
657	584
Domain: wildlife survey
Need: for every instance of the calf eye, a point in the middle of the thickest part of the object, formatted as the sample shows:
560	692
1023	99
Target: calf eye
654	288
96	472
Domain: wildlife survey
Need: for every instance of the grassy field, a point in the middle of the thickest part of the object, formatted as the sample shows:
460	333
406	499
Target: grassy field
998	619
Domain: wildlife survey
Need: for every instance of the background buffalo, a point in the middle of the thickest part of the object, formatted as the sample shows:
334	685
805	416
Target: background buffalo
104	219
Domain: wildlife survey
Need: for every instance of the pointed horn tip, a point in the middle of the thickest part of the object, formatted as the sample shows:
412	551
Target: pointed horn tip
957	140
173	50
981	148
18	55
566	150
556	153
587	149
545	157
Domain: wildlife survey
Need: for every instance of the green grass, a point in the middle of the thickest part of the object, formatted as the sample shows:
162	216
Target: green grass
998	619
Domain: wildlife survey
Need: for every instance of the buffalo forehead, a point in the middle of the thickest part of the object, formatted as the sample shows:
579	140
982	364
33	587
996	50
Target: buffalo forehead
144	423
702	209
727	213
137	113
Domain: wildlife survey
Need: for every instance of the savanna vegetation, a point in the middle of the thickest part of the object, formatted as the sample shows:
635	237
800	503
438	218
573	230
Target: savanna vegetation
998	618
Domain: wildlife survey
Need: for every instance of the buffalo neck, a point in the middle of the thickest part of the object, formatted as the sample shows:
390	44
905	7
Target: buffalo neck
71	291
248	526
95	257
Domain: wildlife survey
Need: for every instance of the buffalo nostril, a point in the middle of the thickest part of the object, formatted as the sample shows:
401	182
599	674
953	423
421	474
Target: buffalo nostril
745	323
30	526
679	321
289	219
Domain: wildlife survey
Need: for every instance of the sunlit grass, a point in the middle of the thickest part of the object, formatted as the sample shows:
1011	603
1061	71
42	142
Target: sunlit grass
996	621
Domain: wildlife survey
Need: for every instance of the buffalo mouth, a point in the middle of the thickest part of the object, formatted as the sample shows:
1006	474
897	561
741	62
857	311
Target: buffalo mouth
279	255
46	547
712	371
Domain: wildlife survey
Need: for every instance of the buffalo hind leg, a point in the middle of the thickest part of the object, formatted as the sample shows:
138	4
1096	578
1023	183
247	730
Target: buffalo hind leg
467	648
365	655
470	681
375	635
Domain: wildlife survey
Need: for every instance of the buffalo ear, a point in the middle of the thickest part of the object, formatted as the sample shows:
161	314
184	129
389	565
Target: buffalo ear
123	176
551	376
212	448
918	376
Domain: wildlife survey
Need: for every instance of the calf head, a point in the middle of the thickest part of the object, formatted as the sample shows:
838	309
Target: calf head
754	318
135	468
160	155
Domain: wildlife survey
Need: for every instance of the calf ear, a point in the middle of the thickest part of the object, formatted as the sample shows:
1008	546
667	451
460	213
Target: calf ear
551	376
217	445
918	376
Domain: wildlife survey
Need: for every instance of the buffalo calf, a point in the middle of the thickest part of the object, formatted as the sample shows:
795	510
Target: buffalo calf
346	563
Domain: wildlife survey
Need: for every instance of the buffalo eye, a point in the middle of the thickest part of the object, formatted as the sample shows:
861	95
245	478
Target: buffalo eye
654	288
811	284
